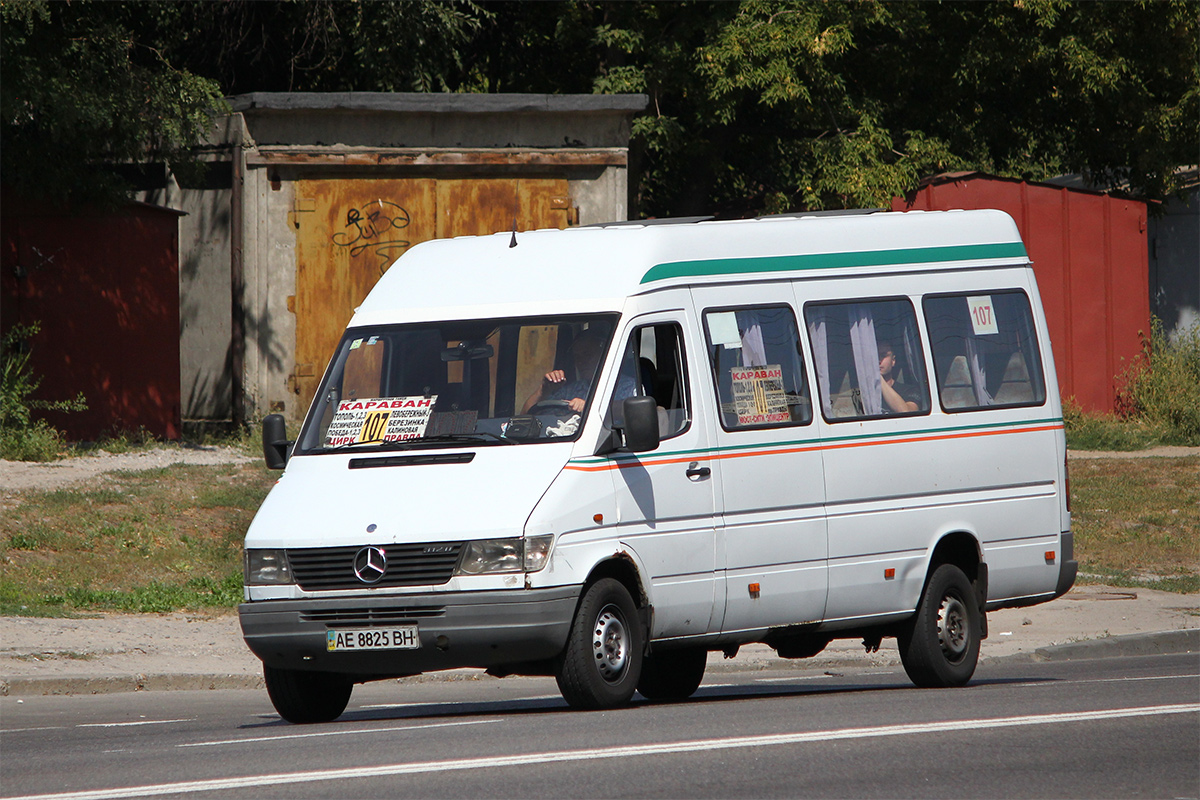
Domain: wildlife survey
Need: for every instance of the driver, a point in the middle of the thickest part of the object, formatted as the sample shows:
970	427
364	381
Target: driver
585	352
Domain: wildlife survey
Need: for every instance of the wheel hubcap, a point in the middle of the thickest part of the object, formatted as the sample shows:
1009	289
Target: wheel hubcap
952	627
609	644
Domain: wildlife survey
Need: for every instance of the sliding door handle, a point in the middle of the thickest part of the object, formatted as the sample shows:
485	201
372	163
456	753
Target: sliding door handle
694	470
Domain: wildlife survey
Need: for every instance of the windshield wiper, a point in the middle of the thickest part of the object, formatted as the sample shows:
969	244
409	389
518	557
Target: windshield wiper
440	438
474	436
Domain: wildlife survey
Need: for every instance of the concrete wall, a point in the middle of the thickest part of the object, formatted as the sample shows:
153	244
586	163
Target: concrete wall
236	356
1175	263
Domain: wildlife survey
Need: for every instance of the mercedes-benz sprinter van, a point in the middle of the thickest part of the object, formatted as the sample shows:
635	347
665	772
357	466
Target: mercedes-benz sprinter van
603	453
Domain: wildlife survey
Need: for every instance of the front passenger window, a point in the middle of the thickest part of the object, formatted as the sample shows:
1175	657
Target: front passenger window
653	365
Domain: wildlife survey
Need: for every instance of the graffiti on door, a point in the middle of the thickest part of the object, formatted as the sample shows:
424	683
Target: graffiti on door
371	228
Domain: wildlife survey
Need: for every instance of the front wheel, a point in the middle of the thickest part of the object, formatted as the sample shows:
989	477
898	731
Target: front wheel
602	662
306	697
940	647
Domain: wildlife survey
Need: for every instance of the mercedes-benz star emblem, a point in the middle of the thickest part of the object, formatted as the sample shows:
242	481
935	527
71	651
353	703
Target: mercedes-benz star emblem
369	564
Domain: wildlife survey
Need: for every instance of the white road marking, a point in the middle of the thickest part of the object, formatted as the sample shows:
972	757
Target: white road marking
26	730
405	706
131	724
494	762
1043	684
794	678
341	732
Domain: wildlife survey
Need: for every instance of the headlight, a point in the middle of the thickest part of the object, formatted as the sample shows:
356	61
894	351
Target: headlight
491	555
266	568
505	555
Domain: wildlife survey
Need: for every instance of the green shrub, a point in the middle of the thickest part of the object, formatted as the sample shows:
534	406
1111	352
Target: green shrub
1105	431
23	438
1162	387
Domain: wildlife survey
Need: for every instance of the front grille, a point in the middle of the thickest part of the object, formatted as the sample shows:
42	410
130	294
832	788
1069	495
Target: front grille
371	616
332	568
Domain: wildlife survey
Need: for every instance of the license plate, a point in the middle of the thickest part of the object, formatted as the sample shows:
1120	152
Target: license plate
403	637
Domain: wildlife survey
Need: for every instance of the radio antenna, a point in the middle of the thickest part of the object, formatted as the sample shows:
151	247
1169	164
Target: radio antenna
516	210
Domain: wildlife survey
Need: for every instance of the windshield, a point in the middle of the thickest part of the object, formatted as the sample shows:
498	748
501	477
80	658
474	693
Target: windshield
500	381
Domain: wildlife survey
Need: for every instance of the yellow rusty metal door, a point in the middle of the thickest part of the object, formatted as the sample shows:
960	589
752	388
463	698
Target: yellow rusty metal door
349	231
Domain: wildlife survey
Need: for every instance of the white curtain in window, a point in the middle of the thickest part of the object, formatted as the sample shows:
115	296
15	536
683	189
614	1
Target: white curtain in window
866	358
754	353
817	334
978	375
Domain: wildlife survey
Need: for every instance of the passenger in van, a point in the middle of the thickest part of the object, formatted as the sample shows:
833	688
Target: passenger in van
897	398
585	352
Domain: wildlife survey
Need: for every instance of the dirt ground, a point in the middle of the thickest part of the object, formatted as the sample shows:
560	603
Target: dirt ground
19	476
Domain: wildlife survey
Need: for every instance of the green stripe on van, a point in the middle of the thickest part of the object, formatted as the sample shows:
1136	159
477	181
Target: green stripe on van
864	258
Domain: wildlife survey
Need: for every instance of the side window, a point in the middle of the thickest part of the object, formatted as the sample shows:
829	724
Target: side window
868	359
985	352
756	365
653	365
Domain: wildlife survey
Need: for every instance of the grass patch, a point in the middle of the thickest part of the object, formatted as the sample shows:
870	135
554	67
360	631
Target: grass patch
1107	432
168	539
1137	522
151	541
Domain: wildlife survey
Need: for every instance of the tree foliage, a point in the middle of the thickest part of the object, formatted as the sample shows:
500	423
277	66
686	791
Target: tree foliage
756	105
768	105
86	86
78	93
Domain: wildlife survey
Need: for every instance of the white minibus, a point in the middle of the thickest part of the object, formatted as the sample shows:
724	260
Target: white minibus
603	453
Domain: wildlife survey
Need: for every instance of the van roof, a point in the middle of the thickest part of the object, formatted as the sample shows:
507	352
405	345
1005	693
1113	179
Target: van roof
597	268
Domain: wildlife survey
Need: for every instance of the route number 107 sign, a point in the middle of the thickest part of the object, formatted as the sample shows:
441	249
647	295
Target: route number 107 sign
983	316
371	421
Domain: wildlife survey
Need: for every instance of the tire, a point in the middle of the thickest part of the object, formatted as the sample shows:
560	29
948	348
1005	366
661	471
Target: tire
307	697
672	674
940	647
602	662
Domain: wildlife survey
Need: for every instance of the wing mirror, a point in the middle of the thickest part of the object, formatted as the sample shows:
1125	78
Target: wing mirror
641	424
276	446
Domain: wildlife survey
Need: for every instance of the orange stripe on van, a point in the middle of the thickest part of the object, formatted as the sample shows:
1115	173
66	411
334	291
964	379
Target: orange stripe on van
815	446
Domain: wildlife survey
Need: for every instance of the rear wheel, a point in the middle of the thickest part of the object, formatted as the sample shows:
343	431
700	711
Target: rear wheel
602	662
672	674
305	697
941	645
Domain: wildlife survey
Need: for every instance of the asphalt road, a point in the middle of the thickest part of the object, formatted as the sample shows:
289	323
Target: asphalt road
1118	727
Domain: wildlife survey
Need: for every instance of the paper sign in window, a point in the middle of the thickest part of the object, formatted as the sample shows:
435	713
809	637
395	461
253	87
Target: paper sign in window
723	328
376	420
983	315
758	395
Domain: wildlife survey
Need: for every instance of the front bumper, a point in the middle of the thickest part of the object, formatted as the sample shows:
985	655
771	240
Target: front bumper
456	629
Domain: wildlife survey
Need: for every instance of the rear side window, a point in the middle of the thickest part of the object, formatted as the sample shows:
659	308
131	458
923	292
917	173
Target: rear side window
754	353
985	352
868	359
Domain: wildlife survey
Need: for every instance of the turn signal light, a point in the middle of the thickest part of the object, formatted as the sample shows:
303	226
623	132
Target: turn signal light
889	573
1050	555
754	590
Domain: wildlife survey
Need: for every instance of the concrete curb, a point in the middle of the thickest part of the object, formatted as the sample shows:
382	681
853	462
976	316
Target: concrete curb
26	686
1160	643
1138	644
